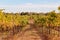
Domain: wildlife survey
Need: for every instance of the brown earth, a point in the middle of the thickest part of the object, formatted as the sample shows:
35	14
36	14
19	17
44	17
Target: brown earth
29	34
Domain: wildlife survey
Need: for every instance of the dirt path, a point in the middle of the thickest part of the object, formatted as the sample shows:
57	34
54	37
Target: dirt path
28	35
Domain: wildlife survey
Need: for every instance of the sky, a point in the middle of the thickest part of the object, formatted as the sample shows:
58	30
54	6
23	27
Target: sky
29	5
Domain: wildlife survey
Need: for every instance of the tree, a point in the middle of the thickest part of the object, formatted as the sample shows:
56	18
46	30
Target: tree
59	9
